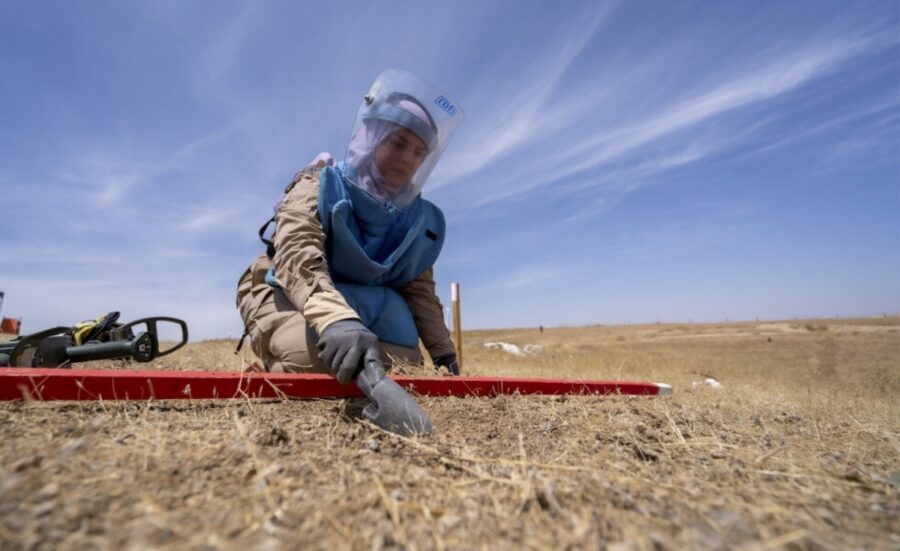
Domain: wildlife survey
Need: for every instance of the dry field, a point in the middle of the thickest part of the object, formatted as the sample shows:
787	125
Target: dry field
798	449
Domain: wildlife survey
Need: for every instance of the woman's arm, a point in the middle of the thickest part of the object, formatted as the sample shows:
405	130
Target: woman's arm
300	265
428	312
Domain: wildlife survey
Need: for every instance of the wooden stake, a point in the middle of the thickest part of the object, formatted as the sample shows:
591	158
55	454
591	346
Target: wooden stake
457	324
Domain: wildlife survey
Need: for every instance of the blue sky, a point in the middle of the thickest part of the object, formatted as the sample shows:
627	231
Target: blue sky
632	161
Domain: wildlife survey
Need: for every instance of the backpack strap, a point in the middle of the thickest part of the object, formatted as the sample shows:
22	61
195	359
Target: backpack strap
270	247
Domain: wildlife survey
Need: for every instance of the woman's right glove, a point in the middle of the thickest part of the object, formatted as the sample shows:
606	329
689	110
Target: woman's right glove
344	345
449	361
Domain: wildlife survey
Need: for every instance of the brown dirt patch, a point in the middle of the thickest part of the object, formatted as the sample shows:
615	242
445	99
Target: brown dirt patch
799	449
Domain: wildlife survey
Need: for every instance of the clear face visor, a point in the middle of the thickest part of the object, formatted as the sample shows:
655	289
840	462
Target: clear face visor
401	130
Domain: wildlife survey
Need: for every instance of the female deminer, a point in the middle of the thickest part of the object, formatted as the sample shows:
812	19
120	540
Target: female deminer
347	275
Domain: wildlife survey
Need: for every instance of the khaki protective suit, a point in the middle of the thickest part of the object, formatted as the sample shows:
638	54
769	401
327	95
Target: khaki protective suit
283	324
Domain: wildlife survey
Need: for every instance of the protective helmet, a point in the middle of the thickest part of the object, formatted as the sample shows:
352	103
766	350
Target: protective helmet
404	110
398	102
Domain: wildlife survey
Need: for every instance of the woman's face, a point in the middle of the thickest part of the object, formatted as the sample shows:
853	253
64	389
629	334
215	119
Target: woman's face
399	156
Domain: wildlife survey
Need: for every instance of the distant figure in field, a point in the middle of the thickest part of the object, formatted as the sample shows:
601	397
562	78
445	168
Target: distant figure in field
348	271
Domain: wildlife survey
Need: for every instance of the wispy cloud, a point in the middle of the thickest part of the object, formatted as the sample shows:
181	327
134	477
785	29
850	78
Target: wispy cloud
105	173
878	117
681	237
513	121
209	218
782	73
524	277
106	176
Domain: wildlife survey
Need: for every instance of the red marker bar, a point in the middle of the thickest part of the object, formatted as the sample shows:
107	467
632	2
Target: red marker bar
74	384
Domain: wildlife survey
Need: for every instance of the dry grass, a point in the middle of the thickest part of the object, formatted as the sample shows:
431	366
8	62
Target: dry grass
799	449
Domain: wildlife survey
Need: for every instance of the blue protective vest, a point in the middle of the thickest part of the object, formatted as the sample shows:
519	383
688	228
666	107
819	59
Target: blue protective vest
373	249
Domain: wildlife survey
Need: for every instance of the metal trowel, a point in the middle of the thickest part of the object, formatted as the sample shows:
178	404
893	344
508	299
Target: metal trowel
391	407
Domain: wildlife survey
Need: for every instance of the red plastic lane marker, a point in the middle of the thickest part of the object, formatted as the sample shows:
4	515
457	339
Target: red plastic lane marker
75	384
493	386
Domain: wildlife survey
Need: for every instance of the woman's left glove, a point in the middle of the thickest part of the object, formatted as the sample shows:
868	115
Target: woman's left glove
344	345
449	361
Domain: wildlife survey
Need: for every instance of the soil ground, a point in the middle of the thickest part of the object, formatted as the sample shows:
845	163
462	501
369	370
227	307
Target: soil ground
799	448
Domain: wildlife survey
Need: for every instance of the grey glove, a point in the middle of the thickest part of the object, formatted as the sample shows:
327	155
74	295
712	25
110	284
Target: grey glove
344	345
449	361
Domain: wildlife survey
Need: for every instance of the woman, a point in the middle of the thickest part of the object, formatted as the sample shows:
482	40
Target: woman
349	268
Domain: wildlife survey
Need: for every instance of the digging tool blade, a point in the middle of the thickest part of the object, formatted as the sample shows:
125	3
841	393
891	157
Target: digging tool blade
391	407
